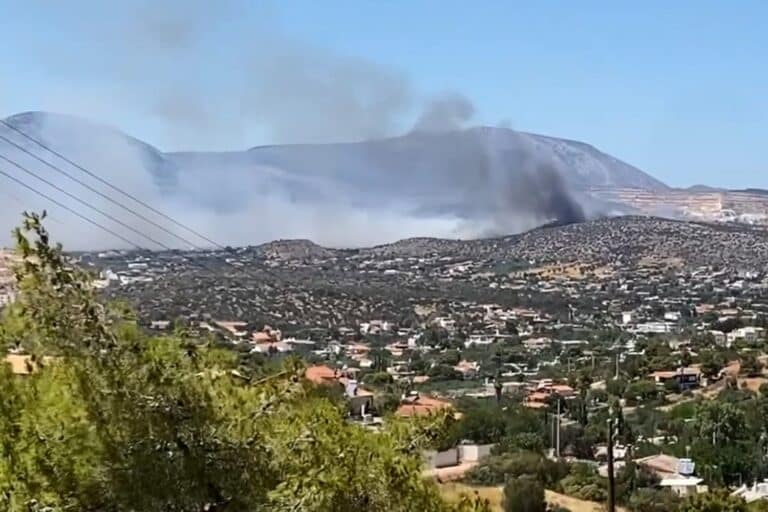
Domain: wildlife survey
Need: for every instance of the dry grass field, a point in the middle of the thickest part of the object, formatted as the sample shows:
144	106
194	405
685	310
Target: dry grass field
453	491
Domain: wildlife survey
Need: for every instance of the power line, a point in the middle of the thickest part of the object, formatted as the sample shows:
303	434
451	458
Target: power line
85	203
87	219
96	191
124	193
20	202
110	185
107	215
71	210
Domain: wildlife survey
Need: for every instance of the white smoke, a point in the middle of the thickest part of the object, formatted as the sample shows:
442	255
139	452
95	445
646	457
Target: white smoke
288	92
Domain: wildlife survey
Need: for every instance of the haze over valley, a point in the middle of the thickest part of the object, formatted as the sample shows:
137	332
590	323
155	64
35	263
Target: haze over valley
438	180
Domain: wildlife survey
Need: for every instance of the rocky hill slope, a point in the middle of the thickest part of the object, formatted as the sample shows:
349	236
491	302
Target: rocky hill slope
471	182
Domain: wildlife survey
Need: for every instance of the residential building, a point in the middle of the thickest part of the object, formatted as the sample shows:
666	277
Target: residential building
673	473
686	378
746	335
655	328
418	405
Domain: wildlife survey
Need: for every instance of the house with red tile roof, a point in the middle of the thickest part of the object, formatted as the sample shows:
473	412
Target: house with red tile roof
418	405
360	399
321	374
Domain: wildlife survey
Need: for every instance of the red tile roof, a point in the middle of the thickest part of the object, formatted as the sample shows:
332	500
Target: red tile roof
663	465
423	405
320	374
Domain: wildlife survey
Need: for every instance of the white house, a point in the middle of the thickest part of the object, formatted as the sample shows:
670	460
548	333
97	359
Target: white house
478	340
683	485
746	334
720	338
655	328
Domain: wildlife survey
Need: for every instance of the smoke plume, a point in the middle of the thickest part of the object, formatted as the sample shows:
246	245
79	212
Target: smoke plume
445	113
535	185
159	67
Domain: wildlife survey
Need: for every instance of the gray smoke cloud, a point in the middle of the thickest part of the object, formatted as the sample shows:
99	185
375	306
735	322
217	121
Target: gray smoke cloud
442	179
304	94
445	113
535	184
501	182
161	59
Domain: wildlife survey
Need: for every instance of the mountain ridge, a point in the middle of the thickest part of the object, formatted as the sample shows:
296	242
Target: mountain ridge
473	182
36	121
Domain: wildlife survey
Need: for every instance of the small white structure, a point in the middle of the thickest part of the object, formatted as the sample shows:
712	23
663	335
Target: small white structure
160	325
474	452
683	485
720	338
757	491
746	334
478	340
619	452
655	328
442	459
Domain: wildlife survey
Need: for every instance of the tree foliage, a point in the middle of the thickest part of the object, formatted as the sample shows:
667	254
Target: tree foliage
113	420
496	469
524	494
716	501
653	500
485	422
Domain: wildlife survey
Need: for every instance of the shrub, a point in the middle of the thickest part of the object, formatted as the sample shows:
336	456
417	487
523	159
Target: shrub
378	379
496	469
653	500
524	494
584	483
524	441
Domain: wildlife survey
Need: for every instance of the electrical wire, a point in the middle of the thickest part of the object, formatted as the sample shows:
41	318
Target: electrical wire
85	203
72	211
110	185
99	193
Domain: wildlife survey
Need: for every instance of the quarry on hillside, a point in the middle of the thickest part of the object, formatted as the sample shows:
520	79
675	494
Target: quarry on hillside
748	206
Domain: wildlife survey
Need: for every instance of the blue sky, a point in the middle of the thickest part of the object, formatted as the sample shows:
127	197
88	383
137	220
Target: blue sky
679	89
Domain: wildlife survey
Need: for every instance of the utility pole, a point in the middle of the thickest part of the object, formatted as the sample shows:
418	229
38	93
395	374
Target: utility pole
557	437
553	436
611	476
497	386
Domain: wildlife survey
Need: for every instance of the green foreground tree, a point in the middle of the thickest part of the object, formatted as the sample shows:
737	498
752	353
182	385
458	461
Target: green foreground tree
113	420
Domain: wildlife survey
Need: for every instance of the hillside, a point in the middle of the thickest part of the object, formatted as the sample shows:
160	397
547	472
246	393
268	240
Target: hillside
293	250
416	157
419	157
472	182
627	241
296	284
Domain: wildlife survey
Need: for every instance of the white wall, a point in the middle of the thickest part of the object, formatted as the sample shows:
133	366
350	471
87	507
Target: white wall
466	453
442	459
474	452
